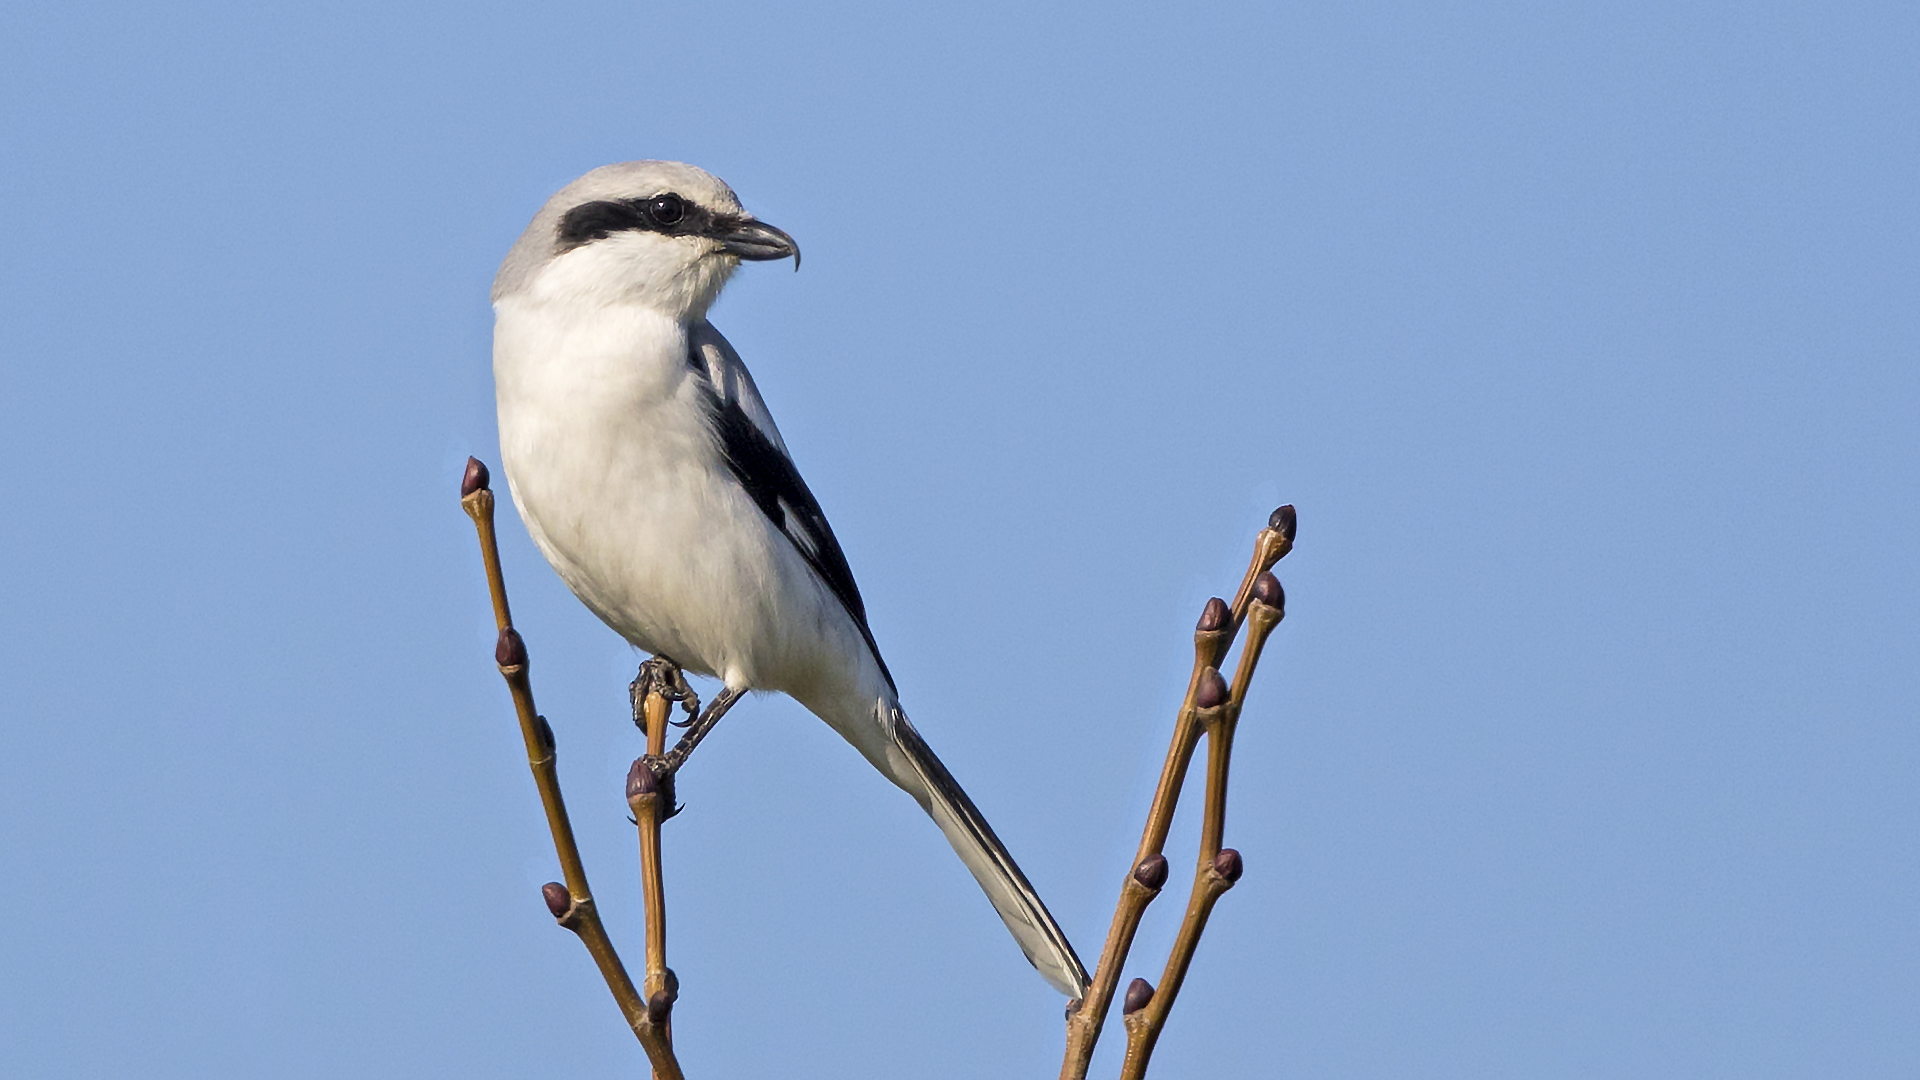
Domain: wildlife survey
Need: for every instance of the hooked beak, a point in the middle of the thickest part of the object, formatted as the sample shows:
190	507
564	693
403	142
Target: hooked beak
756	241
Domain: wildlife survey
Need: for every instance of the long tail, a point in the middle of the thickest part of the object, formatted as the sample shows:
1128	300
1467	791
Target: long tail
999	876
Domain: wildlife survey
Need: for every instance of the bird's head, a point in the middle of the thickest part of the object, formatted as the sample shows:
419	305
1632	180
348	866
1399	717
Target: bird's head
656	233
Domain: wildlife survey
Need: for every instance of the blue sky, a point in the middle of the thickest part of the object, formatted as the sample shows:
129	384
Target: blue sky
1584	338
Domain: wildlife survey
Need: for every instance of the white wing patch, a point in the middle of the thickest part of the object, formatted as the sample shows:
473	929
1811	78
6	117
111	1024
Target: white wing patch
797	531
731	381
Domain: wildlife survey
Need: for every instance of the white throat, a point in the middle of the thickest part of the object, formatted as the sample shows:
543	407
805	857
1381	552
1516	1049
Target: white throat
675	277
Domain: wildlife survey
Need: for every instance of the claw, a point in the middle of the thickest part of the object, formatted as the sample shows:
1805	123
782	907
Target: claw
661	675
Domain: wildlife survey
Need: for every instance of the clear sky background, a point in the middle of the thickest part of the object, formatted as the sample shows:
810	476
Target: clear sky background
1584	338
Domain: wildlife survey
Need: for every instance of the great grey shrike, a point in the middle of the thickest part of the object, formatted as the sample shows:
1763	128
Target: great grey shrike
652	477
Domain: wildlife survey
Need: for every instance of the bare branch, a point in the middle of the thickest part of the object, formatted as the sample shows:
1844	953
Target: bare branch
571	904
1217	868
1210	708
649	801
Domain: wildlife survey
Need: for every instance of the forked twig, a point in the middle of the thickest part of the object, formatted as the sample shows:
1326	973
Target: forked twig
571	904
1212	708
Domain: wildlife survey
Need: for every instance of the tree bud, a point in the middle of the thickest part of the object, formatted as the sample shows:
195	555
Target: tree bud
1228	865
1267	590
1152	872
1212	690
1285	522
1216	616
510	651
641	781
476	478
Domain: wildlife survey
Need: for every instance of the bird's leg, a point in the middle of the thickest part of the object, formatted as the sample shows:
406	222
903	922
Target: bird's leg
670	762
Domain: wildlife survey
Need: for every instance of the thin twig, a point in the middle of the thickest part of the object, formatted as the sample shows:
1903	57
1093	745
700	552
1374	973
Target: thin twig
645	796
1210	707
1217	868
1205	700
571	904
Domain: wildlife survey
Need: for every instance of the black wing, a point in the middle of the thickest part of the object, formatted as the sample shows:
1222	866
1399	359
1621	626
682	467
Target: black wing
769	477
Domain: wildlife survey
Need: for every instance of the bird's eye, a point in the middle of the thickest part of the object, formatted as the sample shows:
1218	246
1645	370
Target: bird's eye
667	209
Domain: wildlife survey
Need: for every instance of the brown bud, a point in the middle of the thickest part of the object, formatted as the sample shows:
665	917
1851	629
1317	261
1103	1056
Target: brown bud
1215	617
544	732
1228	865
555	894
1139	992
641	781
1285	522
1212	691
659	1007
1267	590
1152	872
1073	1006
476	478
510	651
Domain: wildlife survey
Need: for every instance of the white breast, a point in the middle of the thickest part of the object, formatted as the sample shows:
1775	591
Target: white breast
617	474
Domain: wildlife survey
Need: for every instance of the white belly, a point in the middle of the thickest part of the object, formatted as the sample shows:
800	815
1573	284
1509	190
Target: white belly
623	487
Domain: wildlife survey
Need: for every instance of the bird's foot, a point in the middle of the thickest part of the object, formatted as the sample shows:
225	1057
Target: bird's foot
663	676
663	775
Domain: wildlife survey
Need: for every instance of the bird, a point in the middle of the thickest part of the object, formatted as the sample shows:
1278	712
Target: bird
649	472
